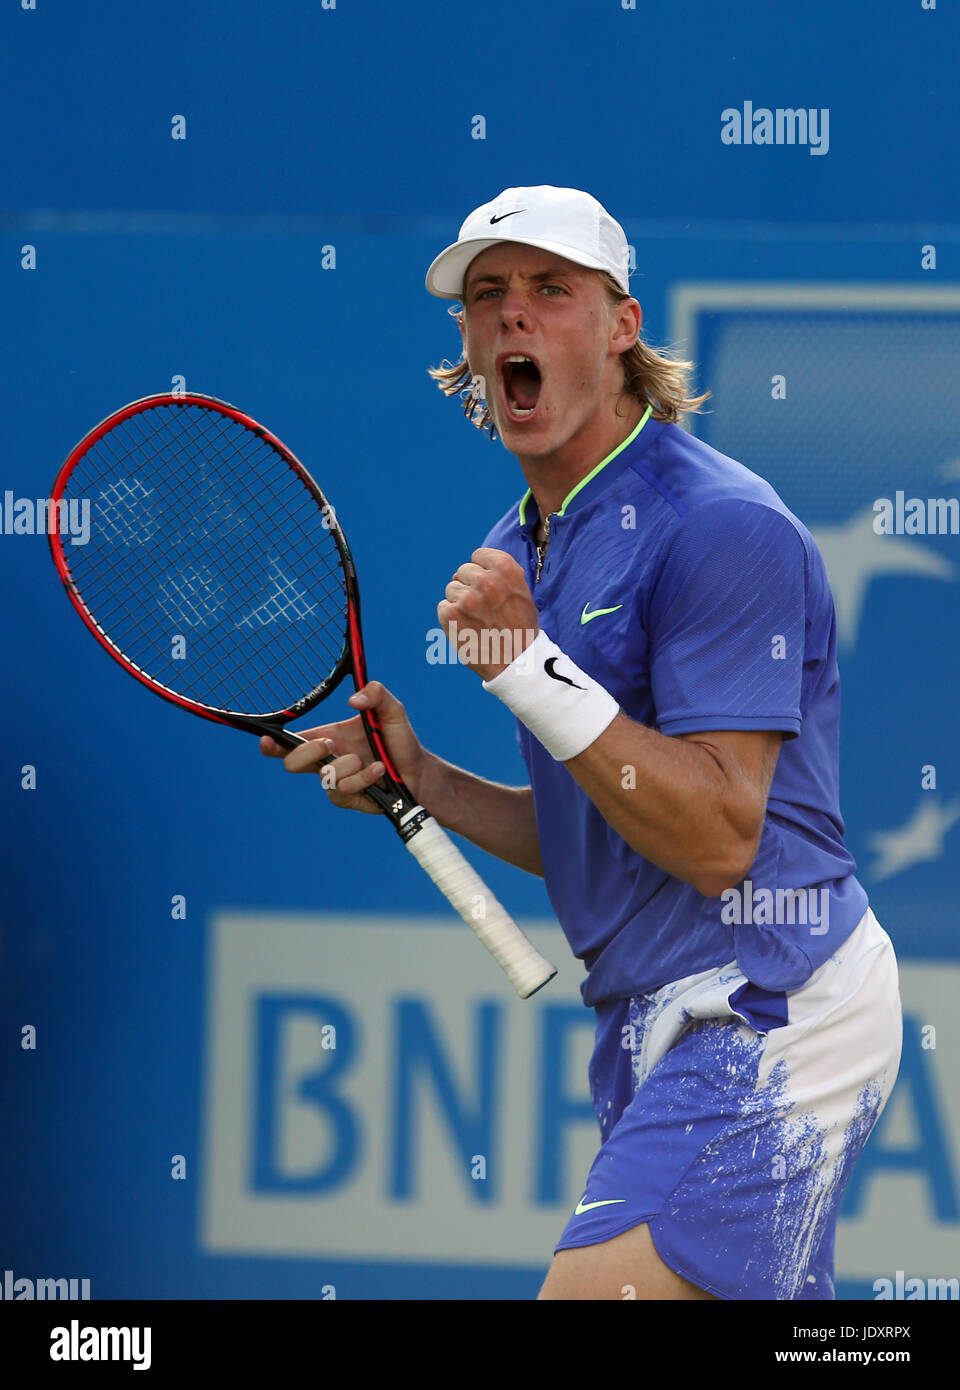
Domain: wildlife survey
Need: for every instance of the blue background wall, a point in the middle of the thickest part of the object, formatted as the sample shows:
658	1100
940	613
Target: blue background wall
352	128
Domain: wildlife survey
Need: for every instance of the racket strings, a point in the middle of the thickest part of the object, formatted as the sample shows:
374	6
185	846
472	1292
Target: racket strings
209	563
193	593
192	596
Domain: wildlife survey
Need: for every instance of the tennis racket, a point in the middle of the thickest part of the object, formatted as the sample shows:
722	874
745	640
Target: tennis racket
218	575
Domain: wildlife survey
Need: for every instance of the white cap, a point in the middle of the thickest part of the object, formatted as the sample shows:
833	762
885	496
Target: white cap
563	220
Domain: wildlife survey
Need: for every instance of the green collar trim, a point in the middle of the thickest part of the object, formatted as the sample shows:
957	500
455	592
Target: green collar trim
522	511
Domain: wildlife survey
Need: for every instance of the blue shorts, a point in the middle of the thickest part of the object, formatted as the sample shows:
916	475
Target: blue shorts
731	1118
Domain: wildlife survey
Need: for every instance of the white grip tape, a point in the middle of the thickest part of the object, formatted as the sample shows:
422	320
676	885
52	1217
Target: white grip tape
466	891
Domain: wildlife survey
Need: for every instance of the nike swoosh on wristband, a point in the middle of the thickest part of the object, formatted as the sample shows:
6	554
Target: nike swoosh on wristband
586	617
548	666
583	1206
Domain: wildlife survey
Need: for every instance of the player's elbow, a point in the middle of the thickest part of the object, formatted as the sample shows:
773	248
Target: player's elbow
726	870
714	885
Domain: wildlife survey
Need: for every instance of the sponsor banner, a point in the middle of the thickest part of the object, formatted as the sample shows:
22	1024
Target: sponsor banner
376	1091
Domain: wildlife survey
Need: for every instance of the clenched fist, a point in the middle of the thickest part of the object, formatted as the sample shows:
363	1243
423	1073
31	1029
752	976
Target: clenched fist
488	614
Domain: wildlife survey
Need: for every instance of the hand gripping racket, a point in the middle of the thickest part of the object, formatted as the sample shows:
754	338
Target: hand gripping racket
218	575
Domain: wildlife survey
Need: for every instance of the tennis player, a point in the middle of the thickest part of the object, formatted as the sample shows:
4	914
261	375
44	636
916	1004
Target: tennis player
674	680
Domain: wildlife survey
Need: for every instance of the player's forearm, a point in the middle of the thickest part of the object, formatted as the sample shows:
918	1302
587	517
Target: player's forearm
673	801
499	819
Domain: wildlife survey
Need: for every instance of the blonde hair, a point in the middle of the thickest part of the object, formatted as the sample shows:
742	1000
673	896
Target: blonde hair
652	376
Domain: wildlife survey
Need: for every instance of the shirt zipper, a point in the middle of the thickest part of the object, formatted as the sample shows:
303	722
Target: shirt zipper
542	549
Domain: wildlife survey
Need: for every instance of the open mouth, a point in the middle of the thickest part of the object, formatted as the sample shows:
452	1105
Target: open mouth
521	385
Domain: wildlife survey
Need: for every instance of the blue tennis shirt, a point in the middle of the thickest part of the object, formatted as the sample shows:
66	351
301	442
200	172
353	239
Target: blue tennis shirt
721	617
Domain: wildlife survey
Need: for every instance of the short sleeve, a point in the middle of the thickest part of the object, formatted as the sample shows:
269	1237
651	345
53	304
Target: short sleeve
725	619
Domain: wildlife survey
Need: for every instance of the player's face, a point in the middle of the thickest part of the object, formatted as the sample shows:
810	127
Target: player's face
521	301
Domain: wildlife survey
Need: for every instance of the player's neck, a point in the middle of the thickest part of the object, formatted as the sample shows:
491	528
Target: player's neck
552	477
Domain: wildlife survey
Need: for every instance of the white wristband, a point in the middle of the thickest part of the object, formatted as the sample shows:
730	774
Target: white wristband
561	705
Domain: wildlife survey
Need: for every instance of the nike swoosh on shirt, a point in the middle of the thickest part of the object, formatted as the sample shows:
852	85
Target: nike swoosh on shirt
586	617
583	1206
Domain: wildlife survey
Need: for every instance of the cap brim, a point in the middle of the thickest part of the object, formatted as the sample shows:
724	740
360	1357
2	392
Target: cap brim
446	274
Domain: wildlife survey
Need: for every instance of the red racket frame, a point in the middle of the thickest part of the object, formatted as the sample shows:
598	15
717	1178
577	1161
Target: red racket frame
399	800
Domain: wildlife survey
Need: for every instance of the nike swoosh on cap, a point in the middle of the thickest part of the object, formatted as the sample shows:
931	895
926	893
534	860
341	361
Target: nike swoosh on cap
586	617
583	1206
506	214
